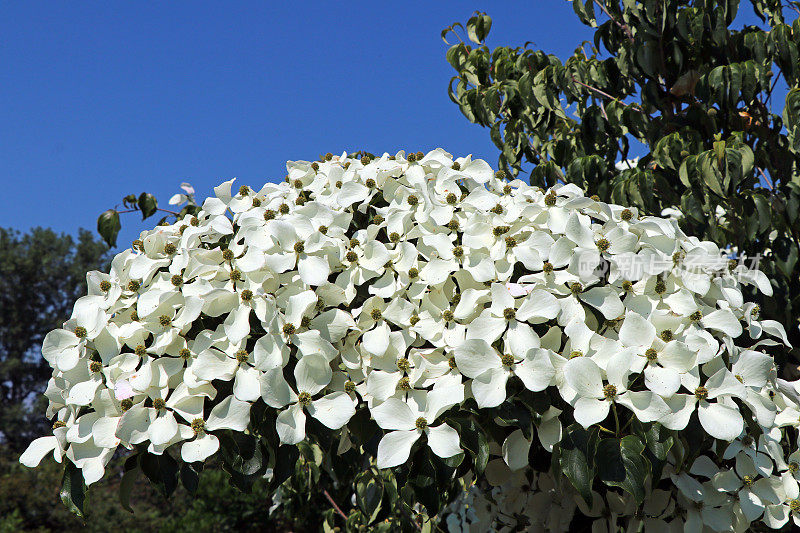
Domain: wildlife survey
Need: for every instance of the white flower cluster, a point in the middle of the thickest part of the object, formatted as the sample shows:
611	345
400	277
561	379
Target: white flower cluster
412	284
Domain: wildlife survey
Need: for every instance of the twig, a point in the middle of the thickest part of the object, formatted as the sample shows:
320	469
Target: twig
774	83
336	507
624	27
766	179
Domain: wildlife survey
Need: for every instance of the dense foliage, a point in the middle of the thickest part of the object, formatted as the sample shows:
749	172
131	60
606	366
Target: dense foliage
672	81
415	330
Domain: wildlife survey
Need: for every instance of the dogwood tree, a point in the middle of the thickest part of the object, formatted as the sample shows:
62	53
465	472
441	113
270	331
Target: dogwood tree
453	348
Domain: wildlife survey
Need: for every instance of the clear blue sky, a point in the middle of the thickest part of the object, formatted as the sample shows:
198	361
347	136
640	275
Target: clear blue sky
101	99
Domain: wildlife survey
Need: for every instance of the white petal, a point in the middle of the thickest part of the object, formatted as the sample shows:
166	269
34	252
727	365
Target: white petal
720	421
589	411
489	388
376	340
313	269
539	306
636	331
312	373
476	356
605	299
163	428
444	441
230	413
333	410
395	447
723	320
515	450
237	324
37	449
662	381
536	372
199	449
274	389
291	425
583	375
246	384
394	413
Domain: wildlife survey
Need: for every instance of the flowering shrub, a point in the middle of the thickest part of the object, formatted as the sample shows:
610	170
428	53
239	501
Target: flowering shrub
456	345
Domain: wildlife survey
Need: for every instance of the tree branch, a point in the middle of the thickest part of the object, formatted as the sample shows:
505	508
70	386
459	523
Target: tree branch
624	27
336	507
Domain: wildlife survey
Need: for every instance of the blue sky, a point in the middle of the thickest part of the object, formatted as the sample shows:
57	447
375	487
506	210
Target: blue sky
100	100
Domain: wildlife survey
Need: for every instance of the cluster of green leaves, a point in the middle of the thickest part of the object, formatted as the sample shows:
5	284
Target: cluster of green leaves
669	80
109	224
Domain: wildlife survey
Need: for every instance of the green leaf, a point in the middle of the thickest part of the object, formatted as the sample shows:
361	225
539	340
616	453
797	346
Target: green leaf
108	226
73	489
162	471
369	494
147	204
478	27
190	477
577	451
126	485
620	463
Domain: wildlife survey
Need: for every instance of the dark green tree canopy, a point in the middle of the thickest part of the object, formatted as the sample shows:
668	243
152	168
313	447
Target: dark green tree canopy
42	273
674	81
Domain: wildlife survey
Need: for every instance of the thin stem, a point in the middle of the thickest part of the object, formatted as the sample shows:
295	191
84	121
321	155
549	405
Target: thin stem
624	27
336	507
616	417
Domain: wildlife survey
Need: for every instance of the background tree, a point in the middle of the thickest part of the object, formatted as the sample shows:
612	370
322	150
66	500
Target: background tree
42	274
671	81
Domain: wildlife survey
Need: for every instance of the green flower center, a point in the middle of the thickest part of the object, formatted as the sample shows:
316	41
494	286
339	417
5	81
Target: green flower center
376	314
507	359
299	247
413	273
247	295
500	230
370	183
269	214
701	393
81	332
394	236
404	364
651	355
59	424
575	353
133	285
126	404
456	165
453	225
421	423
511	242
305	321
575	287
666	335
185	353
404	384
198	426
452	362
105	285
550	199
351	256
164	320
447	315
96	366
458	251
412	200
603	245
509	313
451	198
227	255
283	209
547	267
288	329
170	248
323	229
610	392
413	320
304	398
159	404
235	275
177	280
140	350
349	387
242	356
626	215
